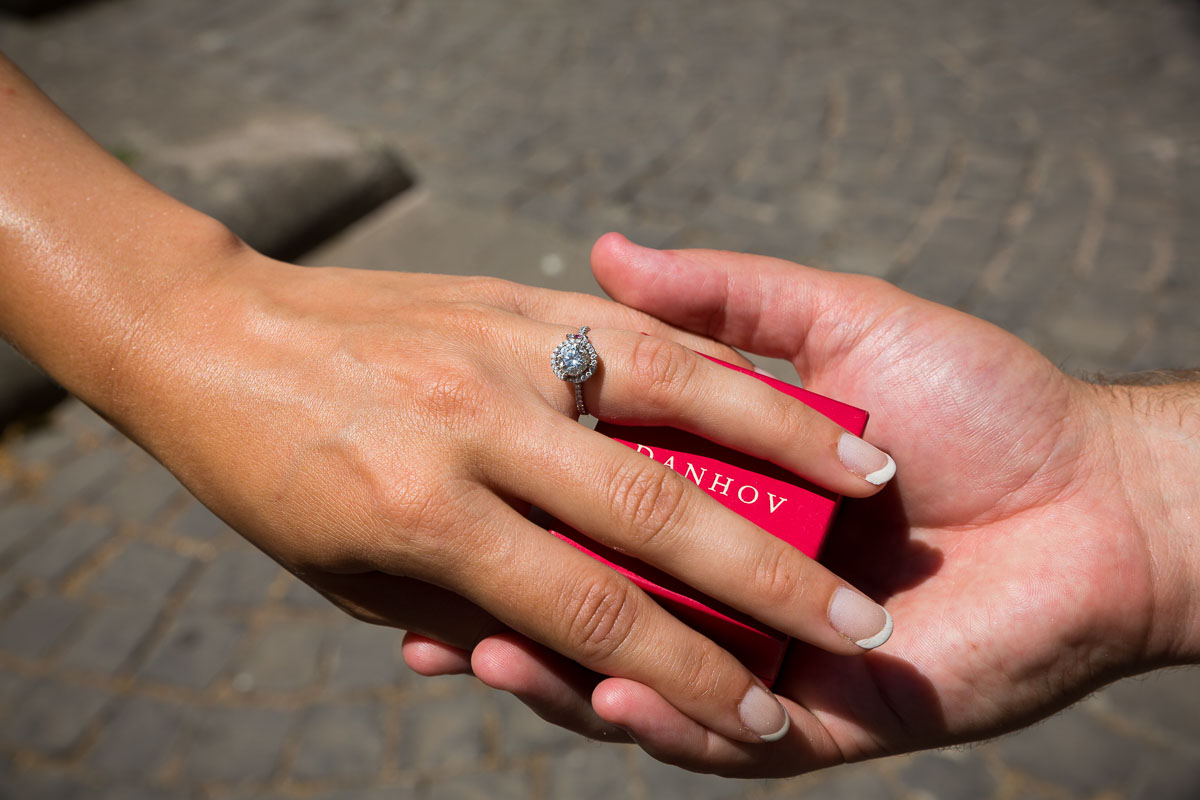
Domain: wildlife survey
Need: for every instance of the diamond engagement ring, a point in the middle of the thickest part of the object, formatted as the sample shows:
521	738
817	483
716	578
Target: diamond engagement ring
575	360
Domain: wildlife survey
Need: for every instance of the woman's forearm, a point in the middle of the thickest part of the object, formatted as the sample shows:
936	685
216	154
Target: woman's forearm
87	248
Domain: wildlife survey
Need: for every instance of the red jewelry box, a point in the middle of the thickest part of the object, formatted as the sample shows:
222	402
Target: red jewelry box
769	496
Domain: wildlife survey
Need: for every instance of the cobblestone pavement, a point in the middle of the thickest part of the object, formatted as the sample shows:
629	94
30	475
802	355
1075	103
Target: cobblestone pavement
1034	163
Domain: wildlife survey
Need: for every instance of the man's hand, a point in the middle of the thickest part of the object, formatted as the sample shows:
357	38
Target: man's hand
1030	549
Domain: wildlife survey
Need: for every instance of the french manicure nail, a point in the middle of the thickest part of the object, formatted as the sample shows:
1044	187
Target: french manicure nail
763	715
865	460
860	619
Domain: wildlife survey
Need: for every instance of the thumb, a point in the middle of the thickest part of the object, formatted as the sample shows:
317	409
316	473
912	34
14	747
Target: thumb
754	302
760	304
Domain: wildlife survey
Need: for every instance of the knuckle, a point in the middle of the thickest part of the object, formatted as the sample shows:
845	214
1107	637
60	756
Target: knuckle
777	579
792	420
700	677
651	497
659	367
600	618
434	527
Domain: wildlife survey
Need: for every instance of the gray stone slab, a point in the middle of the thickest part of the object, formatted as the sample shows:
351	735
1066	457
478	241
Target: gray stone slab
301	595
20	520
233	744
1076	750
197	522
949	775
138	738
342	741
1167	775
1167	701
429	231
41	623
55	554
51	716
595	772
525	733
43	445
444	733
330	175
141	571
80	420
849	782
239	577
285	658
367	657
142	495
195	650
80	478
107	641
484	785
672	783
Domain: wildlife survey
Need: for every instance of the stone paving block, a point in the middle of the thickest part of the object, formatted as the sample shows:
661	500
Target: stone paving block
949	264
51	716
42	446
367	657
849	782
1073	749
949	775
76	417
57	553
1083	329
285	657
239	577
1167	775
590	772
1167	701
108	639
143	571
21	520
510	784
228	745
82	476
443	733
136	741
141	496
301	595
524	733
194	651
33	630
40	784
665	782
10	686
342	741
197	522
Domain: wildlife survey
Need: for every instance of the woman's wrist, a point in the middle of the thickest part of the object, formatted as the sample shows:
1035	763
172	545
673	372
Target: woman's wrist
88	250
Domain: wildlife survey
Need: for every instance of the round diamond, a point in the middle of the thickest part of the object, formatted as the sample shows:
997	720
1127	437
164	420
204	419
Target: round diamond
574	361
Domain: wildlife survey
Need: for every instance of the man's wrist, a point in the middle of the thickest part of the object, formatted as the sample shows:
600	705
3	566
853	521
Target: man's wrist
1155	426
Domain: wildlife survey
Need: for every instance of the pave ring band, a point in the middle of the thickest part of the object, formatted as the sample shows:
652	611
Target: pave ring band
574	360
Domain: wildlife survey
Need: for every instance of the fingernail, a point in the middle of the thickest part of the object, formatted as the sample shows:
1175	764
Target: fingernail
763	715
865	460
762	371
859	619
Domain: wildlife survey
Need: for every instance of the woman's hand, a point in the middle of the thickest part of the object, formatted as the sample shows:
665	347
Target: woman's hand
1036	546
382	434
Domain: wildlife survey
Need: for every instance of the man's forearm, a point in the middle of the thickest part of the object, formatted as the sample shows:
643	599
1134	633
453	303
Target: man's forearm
87	248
